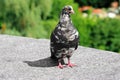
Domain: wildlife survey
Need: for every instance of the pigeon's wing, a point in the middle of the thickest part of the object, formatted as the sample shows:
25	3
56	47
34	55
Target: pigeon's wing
77	42
74	43
55	40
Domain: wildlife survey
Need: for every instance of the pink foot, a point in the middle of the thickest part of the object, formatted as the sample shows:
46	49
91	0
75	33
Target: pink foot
60	66
71	65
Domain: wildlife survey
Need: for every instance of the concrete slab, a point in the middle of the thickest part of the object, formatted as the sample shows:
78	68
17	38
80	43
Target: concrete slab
24	58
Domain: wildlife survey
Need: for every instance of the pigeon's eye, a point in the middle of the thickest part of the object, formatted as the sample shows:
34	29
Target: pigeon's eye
69	9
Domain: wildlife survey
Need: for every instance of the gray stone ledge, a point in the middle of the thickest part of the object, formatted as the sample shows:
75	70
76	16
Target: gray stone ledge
24	58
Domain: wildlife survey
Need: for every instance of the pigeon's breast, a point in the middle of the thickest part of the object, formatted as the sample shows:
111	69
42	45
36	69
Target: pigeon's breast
70	34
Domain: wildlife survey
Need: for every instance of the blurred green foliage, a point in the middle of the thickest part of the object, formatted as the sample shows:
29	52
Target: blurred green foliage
105	34
25	16
37	18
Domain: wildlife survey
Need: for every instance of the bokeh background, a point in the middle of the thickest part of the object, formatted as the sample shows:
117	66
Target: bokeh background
98	21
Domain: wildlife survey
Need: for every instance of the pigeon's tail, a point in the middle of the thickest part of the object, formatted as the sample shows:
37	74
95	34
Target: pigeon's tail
52	54
54	57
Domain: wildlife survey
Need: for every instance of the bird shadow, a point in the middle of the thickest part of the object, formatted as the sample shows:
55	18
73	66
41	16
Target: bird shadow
46	62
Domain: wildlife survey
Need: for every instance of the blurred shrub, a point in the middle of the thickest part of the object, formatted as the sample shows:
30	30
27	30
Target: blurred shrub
49	25
84	25
100	33
20	15
105	34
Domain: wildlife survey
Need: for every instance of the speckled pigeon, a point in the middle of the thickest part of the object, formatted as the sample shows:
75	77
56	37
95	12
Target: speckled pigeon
65	38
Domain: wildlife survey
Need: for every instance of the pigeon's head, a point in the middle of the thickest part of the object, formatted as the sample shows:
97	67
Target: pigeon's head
67	10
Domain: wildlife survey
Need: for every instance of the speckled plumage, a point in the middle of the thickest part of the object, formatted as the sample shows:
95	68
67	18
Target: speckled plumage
65	38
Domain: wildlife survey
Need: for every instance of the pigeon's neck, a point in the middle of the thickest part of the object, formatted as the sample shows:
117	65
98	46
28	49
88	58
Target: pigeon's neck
65	19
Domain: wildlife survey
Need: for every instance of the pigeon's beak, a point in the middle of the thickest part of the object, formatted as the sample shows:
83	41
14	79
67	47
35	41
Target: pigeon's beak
72	12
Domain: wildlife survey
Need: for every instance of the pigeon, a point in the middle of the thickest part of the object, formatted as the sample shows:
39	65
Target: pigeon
64	39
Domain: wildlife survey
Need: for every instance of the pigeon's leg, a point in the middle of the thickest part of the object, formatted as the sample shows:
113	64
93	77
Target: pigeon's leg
69	63
60	64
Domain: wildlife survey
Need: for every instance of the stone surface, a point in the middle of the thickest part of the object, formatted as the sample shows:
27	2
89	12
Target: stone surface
28	59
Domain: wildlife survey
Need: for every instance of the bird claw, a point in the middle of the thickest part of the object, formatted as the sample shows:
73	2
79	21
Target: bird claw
71	65
60	66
